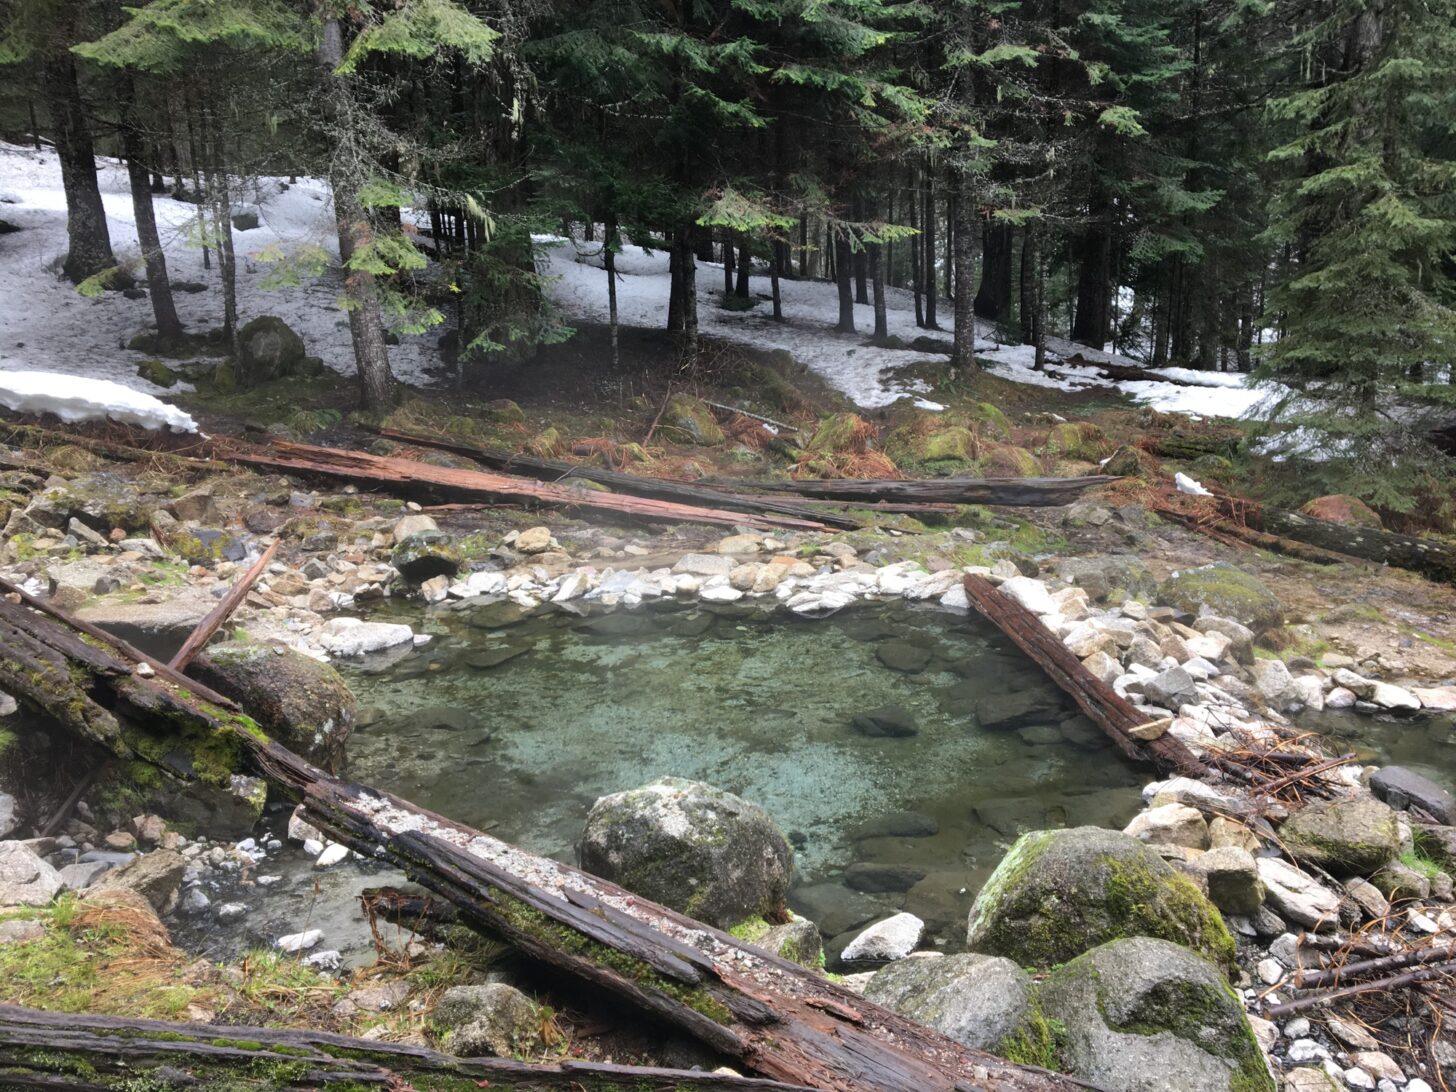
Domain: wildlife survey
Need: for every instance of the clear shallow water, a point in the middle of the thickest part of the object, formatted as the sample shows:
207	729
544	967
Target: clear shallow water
522	746
1425	744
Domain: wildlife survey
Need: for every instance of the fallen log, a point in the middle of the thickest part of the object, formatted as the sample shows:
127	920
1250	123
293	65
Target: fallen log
551	470
1383	985
775	1018
1010	492
360	466
219	614
1115	715
80	1051
1429	557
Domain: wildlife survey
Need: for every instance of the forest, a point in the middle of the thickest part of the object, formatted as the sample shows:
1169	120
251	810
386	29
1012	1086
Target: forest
742	545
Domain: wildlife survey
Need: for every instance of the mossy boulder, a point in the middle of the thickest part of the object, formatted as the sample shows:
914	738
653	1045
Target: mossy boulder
225	378
101	501
1081	441
1343	509
990	421
1007	461
1130	462
846	433
1346	835
687	845
1058	893
269	349
688	420
977	1000
425	554
505	412
302	703
154	371
933	443
797	940
1144	1015
1225	591
493	1019
1100	577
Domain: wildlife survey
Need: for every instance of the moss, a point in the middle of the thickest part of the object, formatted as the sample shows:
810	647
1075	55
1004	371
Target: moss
1169	907
154	371
993	421
842	433
750	931
1081	441
1417	861
1007	461
1038	1041
1226	591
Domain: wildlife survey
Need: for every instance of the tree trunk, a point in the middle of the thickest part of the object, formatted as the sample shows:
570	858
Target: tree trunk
877	278
88	238
1094	288
917	269
745	267
159	288
687	272
993	300
843	275
34	125
932	282
1027	287
728	264
781	260
965	233
219	193
609	262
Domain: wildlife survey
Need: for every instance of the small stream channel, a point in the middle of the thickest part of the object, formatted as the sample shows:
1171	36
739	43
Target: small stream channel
516	725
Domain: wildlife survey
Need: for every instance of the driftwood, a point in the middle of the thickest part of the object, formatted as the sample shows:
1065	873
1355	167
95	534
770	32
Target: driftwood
1115	715
551	470
376	470
79	1051
219	614
1384	985
773	1017
1333	976
1011	492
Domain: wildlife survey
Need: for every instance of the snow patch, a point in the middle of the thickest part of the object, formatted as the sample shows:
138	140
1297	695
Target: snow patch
75	398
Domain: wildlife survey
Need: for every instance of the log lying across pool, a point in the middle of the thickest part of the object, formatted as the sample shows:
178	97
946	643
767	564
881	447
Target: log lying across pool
767	1015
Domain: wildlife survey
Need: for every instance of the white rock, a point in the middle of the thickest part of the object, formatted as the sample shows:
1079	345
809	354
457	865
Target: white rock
355	637
1311	691
1340	698
1298	897
572	585
1358	1078
1396	698
893	938
1275	683
1270	971
299	942
1302	1051
956	599
333	853
1441	698
1031	594
1170	824
1417	1085
1358	685
1210	646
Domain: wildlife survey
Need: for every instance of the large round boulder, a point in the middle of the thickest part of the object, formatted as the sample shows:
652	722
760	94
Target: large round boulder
689	846
1225	591
1058	893
1346	835
1343	509
1144	1015
302	703
269	349
977	1000
688	420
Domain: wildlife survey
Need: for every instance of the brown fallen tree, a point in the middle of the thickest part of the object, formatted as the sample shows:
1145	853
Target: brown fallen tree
1010	492
379	470
552	470
80	1051
772	1017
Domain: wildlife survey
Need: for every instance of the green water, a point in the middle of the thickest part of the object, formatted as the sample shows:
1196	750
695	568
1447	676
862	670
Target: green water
756	705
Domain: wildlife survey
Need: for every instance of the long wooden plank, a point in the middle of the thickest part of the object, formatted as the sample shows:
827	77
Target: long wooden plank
777	1019
1010	492
552	470
42	1050
361	466
1114	714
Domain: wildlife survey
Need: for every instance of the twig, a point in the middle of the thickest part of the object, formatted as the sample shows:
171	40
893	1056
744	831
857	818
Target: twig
58	817
660	411
220	613
1333	975
1394	982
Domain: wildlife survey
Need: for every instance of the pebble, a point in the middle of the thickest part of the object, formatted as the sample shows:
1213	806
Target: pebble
1306	1050
331	856
299	942
1269	971
230	911
1358	1078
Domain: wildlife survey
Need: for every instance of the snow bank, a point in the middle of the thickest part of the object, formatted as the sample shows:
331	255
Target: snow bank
75	398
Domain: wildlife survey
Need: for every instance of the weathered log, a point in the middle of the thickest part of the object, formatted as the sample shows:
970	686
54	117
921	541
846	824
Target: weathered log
1112	713
551	470
1173	444
1010	492
1381	985
222	612
775	1018
375	470
1429	557
80	1051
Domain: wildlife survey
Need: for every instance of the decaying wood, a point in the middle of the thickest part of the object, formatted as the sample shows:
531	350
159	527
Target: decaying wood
1236	534
46	1050
1393	982
198	638
775	1018
1011	492
551	470
376	470
1306	979
1115	715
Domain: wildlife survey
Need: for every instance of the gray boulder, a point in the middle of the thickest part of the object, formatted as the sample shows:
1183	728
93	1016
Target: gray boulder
1144	1015
1171	688
1101	576
797	940
269	349
1225	591
1355	834
1401	788
494	1019
1241	637
155	876
26	879
1233	879
977	1000
302	703
425	554
687	845
1058	893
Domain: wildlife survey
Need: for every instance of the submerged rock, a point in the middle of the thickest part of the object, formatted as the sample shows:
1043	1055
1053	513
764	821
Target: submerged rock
687	845
977	1000
1058	893
302	703
1145	1015
887	720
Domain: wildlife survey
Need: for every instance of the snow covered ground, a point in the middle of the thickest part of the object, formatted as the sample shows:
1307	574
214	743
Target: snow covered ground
46	326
